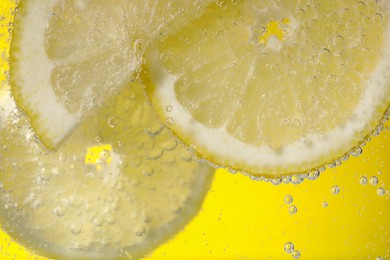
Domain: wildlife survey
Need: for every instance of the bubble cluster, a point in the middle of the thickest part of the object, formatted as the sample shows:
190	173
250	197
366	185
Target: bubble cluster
289	248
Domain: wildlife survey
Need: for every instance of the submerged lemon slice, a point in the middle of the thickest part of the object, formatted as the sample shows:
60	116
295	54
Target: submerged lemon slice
275	87
118	187
68	56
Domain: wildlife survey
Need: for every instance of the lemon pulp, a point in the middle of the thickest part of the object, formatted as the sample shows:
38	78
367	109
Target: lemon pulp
278	87
118	187
67	57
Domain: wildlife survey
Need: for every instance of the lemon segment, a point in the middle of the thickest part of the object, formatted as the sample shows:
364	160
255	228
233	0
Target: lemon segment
67	57
278	108
115	189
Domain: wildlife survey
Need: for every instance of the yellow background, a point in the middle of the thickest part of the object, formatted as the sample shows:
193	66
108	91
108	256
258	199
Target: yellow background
244	219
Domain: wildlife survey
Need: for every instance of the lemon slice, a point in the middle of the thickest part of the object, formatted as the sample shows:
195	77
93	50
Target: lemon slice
118	187
275	87
68	56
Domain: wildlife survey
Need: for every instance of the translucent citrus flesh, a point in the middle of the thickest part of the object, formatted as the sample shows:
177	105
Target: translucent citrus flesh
67	57
117	187
276	87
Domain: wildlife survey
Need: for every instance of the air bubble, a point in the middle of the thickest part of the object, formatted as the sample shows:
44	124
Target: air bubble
219	35
363	180
296	254
136	163
360	6
222	4
289	247
170	145
324	55
286	179
335	189
232	170
186	156
147	171
168	108
313	175
299	14
162	29
288	199
70	96
332	165
378	130
381	191
98	139
378	17
75	228
155	154
139	45
104	155
154	129
325	204
169	121
276	181
345	157
163	58
255	178
112	122
322	169
296	179
356	151
374	180
292	209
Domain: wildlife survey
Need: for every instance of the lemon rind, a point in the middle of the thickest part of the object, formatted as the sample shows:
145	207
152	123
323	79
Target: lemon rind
26	78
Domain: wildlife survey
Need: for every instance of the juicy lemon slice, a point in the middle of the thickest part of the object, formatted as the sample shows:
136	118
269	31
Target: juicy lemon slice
275	87
118	186
68	56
